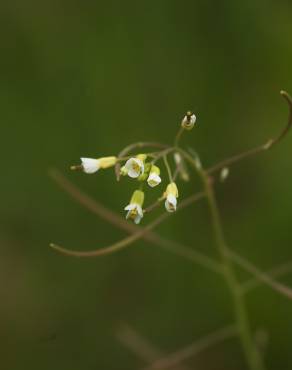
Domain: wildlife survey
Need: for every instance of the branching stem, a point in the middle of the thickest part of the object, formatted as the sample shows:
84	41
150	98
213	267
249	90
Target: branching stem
241	317
167	166
266	146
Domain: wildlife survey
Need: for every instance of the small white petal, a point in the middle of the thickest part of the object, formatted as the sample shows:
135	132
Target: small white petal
129	207
170	203
153	180
193	119
135	167
90	165
137	219
140	211
135	212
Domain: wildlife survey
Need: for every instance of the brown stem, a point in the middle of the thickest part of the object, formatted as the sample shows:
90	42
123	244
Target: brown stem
266	146
118	221
172	246
193	349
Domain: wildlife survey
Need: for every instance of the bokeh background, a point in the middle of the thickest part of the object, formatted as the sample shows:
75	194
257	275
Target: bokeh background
85	78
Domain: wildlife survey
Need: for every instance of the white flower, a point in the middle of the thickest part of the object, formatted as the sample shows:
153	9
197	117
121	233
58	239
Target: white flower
170	203
91	165
154	179
171	195
134	167
189	121
135	212
134	209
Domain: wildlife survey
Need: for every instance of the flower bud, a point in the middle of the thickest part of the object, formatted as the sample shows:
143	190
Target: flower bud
91	165
188	121
134	209
154	179
171	195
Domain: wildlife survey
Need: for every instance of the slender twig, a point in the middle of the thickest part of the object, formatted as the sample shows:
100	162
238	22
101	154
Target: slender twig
275	272
161	154
192	350
178	136
227	256
121	223
251	352
141	347
260	275
167	168
169	245
131	339
268	145
113	247
152	206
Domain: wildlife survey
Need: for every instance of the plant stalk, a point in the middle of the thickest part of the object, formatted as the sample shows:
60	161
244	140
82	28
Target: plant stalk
251	353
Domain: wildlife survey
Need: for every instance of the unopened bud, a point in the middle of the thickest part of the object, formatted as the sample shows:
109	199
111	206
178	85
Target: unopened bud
188	121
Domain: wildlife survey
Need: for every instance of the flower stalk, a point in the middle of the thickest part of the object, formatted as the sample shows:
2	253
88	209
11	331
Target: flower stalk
139	168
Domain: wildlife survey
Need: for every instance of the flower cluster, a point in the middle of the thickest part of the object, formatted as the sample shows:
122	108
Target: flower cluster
143	168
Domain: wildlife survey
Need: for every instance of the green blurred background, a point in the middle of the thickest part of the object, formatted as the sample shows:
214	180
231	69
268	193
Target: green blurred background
86	78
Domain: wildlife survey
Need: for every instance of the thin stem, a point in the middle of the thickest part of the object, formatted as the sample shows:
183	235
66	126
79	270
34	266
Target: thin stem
161	154
112	248
177	248
261	276
145	233
150	154
131	339
153	206
274	272
193	349
98	209
251	353
266	146
178	136
167	168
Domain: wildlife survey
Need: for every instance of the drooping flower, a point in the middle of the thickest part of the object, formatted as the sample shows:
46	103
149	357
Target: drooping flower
171	195
188	121
135	166
91	165
154	179
135	211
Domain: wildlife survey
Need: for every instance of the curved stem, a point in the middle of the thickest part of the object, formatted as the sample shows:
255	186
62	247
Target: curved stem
138	233
259	277
112	248
251	353
167	168
266	146
178	136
